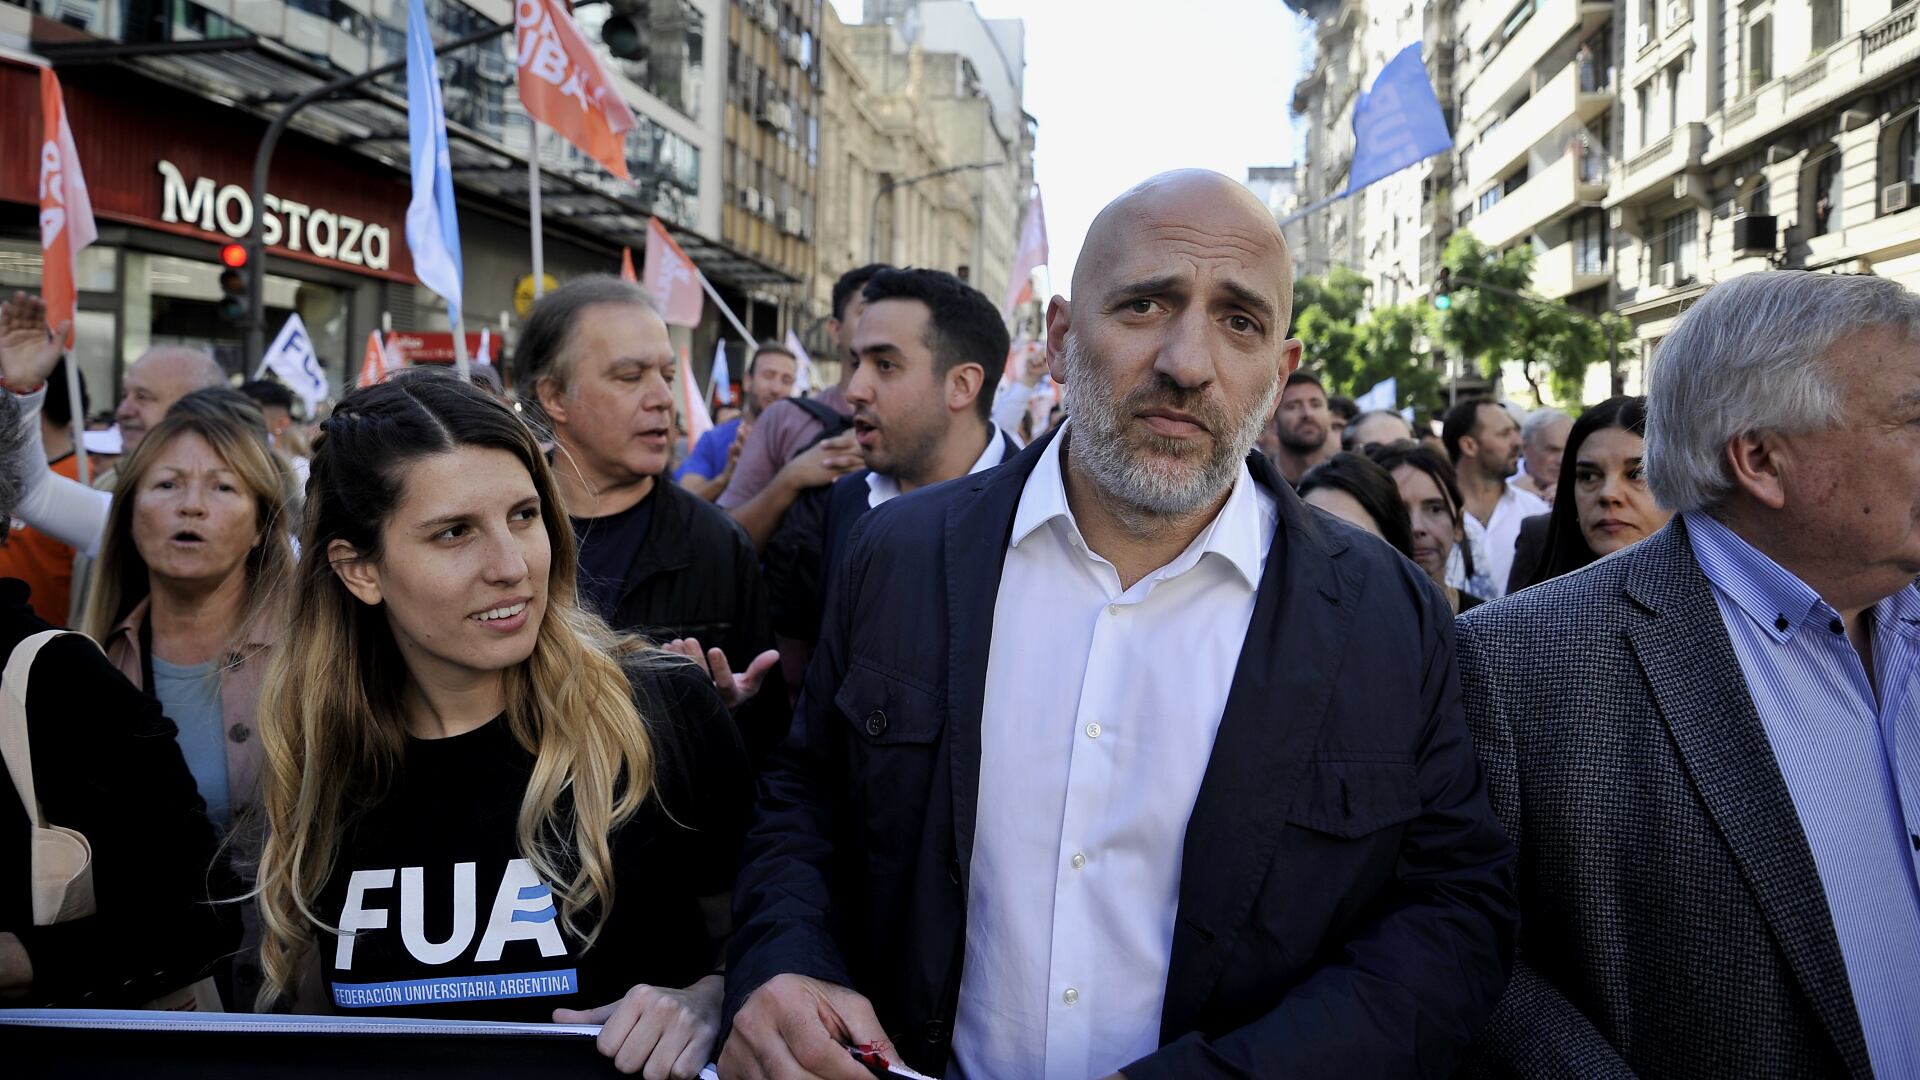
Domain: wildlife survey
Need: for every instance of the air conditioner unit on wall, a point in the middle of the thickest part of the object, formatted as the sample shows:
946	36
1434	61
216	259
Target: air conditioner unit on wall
750	200
1668	276
1677	13
1756	234
790	219
1904	195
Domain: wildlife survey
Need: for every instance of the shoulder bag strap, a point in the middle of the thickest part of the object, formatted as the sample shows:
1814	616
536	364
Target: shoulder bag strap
13	718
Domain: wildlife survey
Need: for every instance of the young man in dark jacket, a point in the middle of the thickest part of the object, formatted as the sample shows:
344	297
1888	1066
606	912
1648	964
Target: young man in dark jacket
654	558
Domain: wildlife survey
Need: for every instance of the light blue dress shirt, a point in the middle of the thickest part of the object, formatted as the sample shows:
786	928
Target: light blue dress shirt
1851	760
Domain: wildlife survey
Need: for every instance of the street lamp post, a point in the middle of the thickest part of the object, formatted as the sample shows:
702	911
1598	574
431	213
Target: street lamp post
873	211
263	158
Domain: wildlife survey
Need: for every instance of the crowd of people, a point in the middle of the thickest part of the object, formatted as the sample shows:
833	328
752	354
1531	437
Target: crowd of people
1213	727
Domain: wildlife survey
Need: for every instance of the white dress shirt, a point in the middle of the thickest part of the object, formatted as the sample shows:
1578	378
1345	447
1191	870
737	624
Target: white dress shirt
881	488
1498	536
1099	717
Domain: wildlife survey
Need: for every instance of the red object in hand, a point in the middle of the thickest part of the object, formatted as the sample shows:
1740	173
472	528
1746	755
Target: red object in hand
869	1054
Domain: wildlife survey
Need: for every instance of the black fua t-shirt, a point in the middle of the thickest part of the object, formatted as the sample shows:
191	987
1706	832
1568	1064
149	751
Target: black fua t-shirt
447	920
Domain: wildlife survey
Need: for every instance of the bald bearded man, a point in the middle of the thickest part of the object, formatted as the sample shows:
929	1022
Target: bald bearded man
1158	771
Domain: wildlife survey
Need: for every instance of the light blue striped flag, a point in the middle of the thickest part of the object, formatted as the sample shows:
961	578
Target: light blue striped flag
433	231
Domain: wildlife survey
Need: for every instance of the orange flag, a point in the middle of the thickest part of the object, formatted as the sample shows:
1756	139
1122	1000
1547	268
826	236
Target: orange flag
563	85
66	213
671	278
1031	255
626	265
373	367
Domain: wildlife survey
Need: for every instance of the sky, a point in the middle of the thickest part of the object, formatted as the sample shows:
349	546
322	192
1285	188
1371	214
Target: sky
1124	89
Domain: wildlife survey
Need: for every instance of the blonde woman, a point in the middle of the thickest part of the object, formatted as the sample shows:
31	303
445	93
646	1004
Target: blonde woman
193	563
481	803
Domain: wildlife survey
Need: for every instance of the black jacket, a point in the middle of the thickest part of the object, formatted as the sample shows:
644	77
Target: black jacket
106	764
1344	905
697	576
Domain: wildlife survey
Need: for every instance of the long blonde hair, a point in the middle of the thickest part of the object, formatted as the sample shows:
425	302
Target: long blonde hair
232	426
331	720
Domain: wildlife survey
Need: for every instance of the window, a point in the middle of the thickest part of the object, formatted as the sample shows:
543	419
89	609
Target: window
1490	197
1590	242
1673	97
1759	200
1650	19
1679	238
1759	53
1827	18
1824	195
1906	153
1643	106
671	66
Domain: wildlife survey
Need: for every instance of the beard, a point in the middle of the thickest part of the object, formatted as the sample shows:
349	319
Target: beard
1146	471
1304	439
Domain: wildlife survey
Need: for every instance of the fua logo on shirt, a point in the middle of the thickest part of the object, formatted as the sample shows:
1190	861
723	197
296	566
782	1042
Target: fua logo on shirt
523	910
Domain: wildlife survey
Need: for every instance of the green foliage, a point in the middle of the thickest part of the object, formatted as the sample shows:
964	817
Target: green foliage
1550	342
1352	350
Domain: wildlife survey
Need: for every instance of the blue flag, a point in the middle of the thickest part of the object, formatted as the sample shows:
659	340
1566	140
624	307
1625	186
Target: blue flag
1397	123
433	232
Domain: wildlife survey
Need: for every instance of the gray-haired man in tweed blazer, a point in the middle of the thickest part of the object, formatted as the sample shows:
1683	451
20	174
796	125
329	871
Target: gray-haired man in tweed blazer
1716	793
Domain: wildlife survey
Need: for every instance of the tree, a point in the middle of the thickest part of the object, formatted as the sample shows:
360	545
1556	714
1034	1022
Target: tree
1352	350
1550	341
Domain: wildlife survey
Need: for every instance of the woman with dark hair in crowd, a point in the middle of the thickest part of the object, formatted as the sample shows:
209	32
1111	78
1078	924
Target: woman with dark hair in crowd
482	802
119	780
1351	488
1434	507
1603	503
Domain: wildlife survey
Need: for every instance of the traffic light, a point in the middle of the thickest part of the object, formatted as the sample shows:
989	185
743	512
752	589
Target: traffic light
624	31
1443	290
234	302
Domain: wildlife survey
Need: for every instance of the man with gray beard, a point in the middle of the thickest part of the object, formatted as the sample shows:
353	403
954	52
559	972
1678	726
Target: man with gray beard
1119	758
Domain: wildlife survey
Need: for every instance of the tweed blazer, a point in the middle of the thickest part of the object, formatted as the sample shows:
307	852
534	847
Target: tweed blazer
1672	920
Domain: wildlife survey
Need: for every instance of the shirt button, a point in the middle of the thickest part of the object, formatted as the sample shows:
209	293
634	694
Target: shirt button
1078	861
1093	730
1071	997
1113	609
876	723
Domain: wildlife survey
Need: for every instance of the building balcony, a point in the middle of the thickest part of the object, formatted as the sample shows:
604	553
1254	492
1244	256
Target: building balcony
1846	67
1551	21
1573	180
1643	174
1561	100
1568	269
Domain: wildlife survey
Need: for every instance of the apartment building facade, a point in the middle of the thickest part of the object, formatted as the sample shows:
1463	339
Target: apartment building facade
1644	148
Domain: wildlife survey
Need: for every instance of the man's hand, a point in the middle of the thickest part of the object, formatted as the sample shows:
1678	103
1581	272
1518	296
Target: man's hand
656	1032
799	1027
734	690
822	463
1036	368
27	352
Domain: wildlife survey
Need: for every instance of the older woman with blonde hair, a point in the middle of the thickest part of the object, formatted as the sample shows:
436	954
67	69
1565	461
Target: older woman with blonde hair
186	600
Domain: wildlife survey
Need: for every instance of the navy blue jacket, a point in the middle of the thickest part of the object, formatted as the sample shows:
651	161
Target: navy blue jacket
1345	903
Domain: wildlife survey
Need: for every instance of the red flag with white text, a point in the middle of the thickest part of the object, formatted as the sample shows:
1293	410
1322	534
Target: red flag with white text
66	212
671	278
564	86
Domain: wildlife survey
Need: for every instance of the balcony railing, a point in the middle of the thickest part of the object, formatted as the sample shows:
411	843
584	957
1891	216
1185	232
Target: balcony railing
1887	31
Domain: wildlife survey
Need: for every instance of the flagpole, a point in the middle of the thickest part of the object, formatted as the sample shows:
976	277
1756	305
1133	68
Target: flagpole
752	343
77	419
533	203
460	365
